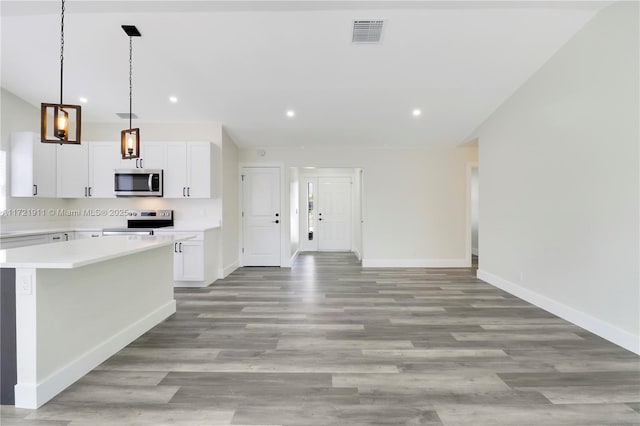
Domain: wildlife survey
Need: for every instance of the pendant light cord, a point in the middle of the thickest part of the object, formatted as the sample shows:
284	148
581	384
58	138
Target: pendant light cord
130	80
61	50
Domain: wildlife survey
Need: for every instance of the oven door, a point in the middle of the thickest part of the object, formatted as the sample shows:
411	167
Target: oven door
138	183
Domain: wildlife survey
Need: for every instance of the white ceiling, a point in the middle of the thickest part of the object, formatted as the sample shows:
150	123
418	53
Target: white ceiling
245	63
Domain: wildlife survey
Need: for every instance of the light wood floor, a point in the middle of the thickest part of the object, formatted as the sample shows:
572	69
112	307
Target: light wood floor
330	343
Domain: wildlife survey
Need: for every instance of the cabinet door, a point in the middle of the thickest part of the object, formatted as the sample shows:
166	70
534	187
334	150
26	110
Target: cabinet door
73	170
104	158
191	261
153	155
45	169
175	173
57	237
33	166
81	235
198	170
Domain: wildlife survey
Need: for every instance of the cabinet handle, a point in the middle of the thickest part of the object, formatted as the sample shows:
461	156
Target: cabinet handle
90	192
137	162
175	247
95	235
85	191
141	166
35	189
188	191
183	189
180	247
56	238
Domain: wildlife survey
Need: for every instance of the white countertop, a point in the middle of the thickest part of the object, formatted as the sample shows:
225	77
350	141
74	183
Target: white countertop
28	232
76	253
178	227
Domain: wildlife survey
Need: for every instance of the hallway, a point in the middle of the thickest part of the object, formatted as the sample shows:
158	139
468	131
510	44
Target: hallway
330	343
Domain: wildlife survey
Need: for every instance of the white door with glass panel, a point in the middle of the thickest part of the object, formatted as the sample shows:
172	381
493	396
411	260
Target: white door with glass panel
261	218
328	202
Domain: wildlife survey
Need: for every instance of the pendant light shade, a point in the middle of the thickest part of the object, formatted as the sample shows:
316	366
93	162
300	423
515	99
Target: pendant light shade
60	123
130	138
130	143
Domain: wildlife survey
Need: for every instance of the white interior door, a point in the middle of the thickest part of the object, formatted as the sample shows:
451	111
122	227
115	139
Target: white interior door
261	218
334	213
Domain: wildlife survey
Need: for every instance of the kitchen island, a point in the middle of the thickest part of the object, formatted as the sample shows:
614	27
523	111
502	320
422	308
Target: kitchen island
79	302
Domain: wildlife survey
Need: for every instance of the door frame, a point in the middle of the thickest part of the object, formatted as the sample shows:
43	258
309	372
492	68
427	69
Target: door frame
470	166
284	218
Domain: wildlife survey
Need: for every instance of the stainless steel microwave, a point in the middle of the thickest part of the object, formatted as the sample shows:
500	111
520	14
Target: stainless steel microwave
138	183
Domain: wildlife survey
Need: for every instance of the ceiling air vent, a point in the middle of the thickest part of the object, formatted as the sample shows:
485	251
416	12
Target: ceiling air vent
125	115
367	31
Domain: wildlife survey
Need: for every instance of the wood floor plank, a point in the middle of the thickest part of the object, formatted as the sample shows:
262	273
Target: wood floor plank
328	342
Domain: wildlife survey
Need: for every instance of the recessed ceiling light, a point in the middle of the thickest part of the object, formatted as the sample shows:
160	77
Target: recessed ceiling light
173	99
416	112
84	100
291	113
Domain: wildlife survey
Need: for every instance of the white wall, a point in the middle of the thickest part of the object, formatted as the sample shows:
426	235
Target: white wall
17	115
230	205
414	199
560	182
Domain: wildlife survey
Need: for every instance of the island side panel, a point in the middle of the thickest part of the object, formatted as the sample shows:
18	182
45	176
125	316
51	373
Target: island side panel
84	315
7	335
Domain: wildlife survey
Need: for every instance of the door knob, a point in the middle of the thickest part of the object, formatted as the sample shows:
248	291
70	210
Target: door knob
276	221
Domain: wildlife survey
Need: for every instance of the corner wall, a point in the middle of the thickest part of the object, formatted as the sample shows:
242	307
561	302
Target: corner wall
230	206
560	182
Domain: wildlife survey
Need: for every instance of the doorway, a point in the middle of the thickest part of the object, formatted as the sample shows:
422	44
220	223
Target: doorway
474	203
330	208
261	218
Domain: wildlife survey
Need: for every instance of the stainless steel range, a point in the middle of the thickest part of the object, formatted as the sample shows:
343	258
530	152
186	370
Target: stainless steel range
143	222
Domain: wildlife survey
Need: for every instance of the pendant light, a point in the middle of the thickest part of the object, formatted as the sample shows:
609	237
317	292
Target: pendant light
60	123
130	138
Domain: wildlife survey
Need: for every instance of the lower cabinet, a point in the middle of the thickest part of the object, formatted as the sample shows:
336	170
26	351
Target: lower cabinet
15	242
61	236
81	235
188	261
195	261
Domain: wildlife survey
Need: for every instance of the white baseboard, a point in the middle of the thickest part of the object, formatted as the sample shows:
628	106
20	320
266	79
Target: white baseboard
36	394
474	251
415	263
227	270
193	284
601	328
357	253
293	258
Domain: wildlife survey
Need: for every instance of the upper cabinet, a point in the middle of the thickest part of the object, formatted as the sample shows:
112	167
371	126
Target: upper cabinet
73	170
152	156
87	170
33	166
188	172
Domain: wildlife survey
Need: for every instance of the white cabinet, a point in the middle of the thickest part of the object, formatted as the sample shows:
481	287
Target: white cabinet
72	170
81	235
188	261
33	166
188	172
104	158
87	170
152	156
31	240
196	260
